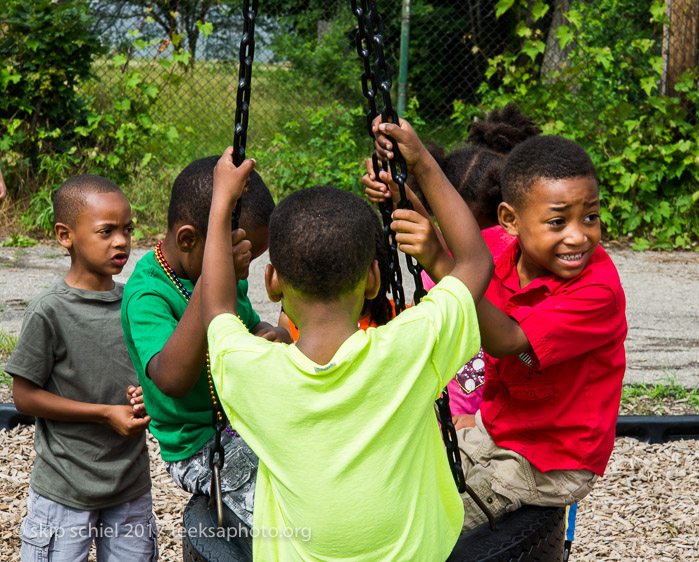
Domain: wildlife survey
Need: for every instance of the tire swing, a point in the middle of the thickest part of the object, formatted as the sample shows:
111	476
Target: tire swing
532	532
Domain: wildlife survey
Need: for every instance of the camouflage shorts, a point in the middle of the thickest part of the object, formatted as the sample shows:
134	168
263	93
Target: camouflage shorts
237	477
505	480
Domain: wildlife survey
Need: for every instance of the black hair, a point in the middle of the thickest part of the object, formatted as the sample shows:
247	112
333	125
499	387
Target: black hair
489	142
542	158
322	241
190	199
70	198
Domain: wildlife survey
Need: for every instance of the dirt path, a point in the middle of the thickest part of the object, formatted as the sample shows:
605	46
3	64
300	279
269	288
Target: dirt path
661	290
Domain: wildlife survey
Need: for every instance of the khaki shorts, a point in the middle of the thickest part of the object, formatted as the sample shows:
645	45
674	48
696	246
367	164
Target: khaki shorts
505	480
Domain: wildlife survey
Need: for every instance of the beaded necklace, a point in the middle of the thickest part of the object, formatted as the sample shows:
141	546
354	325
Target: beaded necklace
187	295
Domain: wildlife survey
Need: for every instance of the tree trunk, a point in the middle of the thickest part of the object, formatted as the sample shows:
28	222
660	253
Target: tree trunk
680	41
554	56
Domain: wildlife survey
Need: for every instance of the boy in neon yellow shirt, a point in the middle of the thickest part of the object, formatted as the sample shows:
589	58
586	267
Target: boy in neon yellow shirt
352	466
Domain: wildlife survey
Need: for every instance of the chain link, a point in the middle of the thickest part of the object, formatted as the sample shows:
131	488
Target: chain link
377	77
216	460
369	40
242	110
450	440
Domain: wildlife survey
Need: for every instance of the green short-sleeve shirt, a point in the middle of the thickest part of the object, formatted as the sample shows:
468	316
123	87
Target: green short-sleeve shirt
71	345
352	464
151	309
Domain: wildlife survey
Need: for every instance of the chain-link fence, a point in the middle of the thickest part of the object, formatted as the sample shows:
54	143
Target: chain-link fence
305	57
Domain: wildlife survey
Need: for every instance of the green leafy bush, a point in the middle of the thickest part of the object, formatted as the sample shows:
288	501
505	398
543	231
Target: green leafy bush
325	148
606	97
47	49
57	121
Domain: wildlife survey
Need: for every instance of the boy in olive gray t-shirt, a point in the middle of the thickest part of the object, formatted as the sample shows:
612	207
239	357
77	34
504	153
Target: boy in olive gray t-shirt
70	368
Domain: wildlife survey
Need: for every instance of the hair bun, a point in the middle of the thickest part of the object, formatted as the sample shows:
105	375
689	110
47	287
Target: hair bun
502	130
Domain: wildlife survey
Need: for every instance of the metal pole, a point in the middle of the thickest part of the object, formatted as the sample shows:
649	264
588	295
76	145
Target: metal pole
404	49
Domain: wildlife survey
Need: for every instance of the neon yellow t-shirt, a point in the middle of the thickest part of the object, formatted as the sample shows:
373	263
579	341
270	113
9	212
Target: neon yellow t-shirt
352	464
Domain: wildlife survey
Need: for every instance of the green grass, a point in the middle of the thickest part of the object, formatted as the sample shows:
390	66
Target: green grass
7	344
669	391
18	241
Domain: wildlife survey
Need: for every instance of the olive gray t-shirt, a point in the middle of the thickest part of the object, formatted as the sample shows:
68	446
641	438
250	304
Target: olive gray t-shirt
72	345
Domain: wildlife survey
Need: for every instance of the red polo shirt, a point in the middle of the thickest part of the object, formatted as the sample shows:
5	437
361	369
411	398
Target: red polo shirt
558	406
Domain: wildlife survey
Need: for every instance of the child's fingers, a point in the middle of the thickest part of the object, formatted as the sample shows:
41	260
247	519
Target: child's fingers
238	235
375	191
247	165
227	156
408	215
242	247
369	162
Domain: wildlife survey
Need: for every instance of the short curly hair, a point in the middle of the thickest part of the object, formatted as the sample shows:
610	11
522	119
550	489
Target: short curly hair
548	157
322	241
69	200
190	198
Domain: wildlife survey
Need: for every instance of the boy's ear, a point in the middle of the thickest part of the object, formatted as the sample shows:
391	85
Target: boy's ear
507	217
186	238
272	284
63	235
373	281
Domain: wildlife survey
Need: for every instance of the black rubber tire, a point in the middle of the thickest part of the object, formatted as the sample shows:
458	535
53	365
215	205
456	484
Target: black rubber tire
10	417
530	533
202	541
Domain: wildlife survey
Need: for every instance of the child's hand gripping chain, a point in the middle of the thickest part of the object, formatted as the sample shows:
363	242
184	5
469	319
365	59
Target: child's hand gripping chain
218	265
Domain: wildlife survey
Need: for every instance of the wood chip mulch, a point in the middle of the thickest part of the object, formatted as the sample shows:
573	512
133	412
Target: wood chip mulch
645	508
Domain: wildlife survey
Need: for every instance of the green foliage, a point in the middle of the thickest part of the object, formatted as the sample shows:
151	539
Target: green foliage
668	389
606	96
7	343
17	241
47	49
324	65
90	126
323	149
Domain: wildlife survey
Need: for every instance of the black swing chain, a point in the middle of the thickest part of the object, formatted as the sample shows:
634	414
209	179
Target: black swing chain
370	38
242	108
247	54
377	77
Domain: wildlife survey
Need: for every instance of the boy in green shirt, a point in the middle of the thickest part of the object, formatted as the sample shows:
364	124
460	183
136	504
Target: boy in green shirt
352	465
167	342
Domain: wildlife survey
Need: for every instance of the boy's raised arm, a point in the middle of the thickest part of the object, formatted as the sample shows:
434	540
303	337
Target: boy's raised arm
218	266
473	263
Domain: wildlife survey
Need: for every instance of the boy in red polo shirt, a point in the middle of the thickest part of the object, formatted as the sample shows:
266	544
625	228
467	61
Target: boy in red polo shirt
553	324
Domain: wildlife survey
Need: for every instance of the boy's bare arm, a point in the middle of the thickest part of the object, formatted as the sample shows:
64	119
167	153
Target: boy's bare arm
473	263
35	401
177	367
501	336
218	267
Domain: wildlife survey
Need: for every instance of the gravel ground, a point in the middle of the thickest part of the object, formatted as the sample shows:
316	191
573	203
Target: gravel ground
645	508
